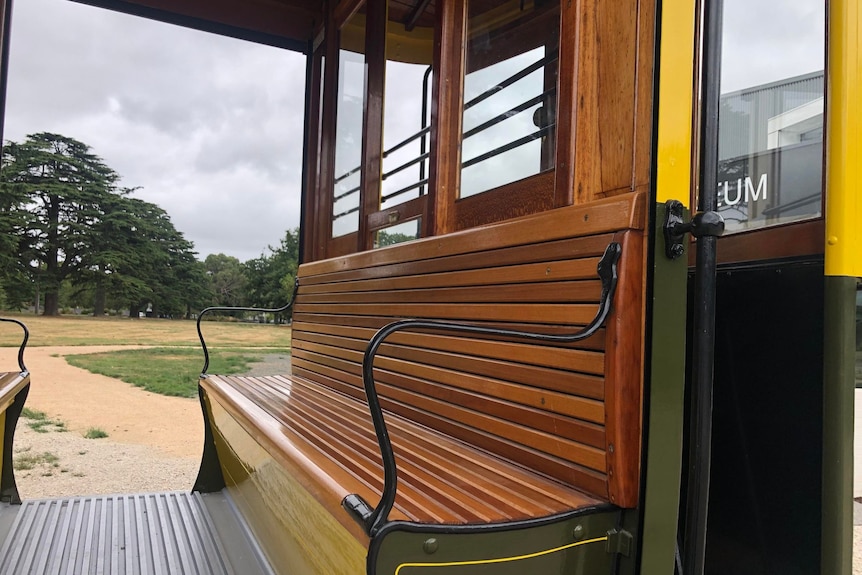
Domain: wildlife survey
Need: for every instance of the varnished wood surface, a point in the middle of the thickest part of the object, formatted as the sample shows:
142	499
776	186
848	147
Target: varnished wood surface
290	522
440	480
484	428
624	367
546	407
10	384
599	217
788	241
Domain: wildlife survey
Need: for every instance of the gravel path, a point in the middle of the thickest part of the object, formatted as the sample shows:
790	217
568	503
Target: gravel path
154	442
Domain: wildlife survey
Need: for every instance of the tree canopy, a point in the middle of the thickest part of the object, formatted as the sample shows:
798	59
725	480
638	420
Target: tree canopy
69	232
65	220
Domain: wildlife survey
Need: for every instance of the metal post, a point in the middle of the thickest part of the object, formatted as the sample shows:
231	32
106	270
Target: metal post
700	432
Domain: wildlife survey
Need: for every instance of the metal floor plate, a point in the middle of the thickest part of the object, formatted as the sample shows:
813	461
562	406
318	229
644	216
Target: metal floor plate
152	533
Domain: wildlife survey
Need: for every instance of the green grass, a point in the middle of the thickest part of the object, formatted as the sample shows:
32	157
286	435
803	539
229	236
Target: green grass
83	331
26	460
95	433
39	421
167	371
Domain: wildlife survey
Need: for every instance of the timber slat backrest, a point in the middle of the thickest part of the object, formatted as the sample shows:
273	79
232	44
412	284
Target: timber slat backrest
570	412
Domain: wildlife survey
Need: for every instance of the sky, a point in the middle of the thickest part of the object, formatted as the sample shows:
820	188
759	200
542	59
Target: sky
210	128
768	40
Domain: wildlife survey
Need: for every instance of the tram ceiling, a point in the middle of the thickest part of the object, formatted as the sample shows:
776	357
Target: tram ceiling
285	23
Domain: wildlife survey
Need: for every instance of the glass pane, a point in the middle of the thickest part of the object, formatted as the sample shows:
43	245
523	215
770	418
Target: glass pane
510	92
403	232
771	115
407	109
348	126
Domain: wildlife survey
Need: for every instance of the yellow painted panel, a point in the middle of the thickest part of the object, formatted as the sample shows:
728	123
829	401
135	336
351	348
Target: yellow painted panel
297	533
843	135
675	101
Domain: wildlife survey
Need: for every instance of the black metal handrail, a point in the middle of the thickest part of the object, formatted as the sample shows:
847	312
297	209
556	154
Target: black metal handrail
281	309
23	368
373	518
425	130
503	116
502	85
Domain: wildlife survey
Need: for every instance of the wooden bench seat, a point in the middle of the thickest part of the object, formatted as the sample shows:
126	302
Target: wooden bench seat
485	430
432	467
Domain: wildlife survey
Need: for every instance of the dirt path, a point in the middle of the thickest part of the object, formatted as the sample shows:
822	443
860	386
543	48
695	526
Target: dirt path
129	414
154	442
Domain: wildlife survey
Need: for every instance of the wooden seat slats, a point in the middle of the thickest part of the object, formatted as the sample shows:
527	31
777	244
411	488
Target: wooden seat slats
419	392
362	328
538	354
601	218
339	428
551	292
364	280
583	362
573	315
474	279
484	429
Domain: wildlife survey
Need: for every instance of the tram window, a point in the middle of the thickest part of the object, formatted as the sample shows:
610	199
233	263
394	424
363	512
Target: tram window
348	125
770	140
399	233
510	88
407	101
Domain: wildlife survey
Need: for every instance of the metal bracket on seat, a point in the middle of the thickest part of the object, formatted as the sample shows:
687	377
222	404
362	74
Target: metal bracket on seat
281	309
21	365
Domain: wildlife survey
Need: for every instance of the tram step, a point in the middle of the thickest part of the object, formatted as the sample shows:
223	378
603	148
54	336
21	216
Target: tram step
189	533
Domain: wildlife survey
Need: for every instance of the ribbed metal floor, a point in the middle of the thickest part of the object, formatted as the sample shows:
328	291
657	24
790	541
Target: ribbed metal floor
153	533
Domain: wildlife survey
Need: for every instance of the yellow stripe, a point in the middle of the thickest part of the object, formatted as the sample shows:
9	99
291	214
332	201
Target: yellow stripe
843	147
675	98
500	559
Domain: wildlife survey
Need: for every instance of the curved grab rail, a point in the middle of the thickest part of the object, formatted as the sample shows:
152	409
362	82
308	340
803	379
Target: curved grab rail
21	365
205	311
373	518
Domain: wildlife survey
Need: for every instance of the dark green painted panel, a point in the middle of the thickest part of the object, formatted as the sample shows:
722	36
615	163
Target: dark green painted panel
838	405
574	546
664	414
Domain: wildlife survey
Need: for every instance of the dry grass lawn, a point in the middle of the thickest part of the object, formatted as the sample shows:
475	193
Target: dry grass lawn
83	331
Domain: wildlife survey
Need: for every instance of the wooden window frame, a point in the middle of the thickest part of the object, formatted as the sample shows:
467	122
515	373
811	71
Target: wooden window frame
544	191
440	209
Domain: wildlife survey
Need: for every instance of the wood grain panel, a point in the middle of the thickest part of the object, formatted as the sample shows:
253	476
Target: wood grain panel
598	217
568	270
616	31
579	314
316	418
539	355
569	248
572	291
364	328
624	366
566	417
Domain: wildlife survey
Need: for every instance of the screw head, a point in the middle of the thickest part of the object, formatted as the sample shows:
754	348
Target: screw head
430	545
578	532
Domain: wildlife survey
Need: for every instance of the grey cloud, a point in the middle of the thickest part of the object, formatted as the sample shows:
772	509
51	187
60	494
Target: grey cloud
765	41
210	128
